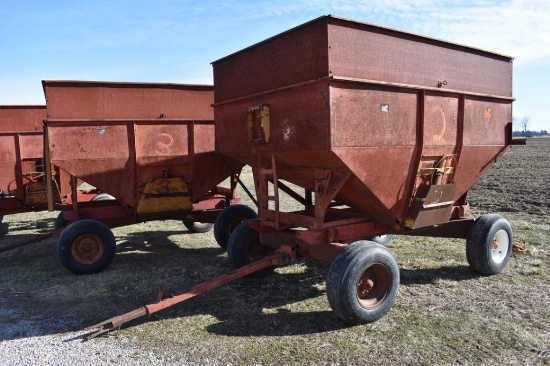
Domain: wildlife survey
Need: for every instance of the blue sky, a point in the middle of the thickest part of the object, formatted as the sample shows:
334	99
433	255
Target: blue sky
175	41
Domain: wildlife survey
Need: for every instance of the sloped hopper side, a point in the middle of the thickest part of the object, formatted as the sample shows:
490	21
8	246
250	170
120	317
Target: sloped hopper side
392	140
119	136
396	126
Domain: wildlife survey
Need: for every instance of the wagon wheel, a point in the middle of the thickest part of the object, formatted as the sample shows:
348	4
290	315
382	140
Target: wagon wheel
362	282
197	227
86	246
102	197
244	247
228	220
60	221
382	239
33	176
489	244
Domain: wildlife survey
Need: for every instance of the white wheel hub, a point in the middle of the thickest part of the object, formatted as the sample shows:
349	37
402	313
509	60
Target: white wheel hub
500	246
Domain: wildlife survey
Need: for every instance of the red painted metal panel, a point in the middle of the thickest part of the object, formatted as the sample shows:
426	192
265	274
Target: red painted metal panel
21	146
205	134
440	123
287	59
365	51
372	116
31	146
111	100
22	118
486	121
118	136
160	142
332	46
99	154
300	121
391	112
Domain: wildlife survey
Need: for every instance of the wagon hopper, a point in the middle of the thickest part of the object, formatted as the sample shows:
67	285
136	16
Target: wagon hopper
22	177
148	147
22	181
384	132
371	131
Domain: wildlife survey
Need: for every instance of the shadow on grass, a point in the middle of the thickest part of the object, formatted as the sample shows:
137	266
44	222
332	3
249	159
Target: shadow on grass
26	225
424	276
4	228
9	234
38	296
239	310
256	307
247	307
282	323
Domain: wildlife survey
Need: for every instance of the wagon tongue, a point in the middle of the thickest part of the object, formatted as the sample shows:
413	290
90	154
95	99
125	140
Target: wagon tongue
115	322
277	258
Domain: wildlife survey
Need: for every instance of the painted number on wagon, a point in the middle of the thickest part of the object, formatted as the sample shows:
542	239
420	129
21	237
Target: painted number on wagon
163	145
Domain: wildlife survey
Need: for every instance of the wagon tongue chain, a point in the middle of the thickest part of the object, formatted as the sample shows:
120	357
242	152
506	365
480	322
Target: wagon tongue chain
279	257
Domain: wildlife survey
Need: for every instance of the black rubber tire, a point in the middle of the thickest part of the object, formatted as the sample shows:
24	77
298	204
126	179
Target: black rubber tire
343	285
60	221
102	197
244	247
489	231
382	239
228	220
198	227
86	238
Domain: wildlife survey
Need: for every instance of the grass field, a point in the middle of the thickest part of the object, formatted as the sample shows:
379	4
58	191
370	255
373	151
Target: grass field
444	312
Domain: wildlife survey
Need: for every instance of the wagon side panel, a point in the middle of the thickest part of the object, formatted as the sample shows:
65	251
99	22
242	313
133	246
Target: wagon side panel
287	59
487	134
23	118
102	100
373	132
101	154
369	52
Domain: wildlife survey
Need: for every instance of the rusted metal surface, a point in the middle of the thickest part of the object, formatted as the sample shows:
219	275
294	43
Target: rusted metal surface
22	183
394	128
331	46
22	118
20	147
166	300
125	101
151	146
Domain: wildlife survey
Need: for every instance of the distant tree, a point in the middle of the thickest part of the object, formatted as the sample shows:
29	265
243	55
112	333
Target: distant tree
524	123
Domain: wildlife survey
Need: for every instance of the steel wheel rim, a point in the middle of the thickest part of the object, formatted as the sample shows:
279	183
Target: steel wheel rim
500	246
235	223
87	249
201	225
373	286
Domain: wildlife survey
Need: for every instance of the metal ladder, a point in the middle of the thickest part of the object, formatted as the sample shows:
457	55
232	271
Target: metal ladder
265	175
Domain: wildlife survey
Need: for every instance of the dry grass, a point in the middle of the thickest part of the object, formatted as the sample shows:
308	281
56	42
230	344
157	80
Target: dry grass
444	313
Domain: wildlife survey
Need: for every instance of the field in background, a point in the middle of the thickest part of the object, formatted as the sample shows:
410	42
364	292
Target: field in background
444	313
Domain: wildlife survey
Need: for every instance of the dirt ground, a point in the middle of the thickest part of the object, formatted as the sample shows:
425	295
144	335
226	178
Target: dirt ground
444	313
